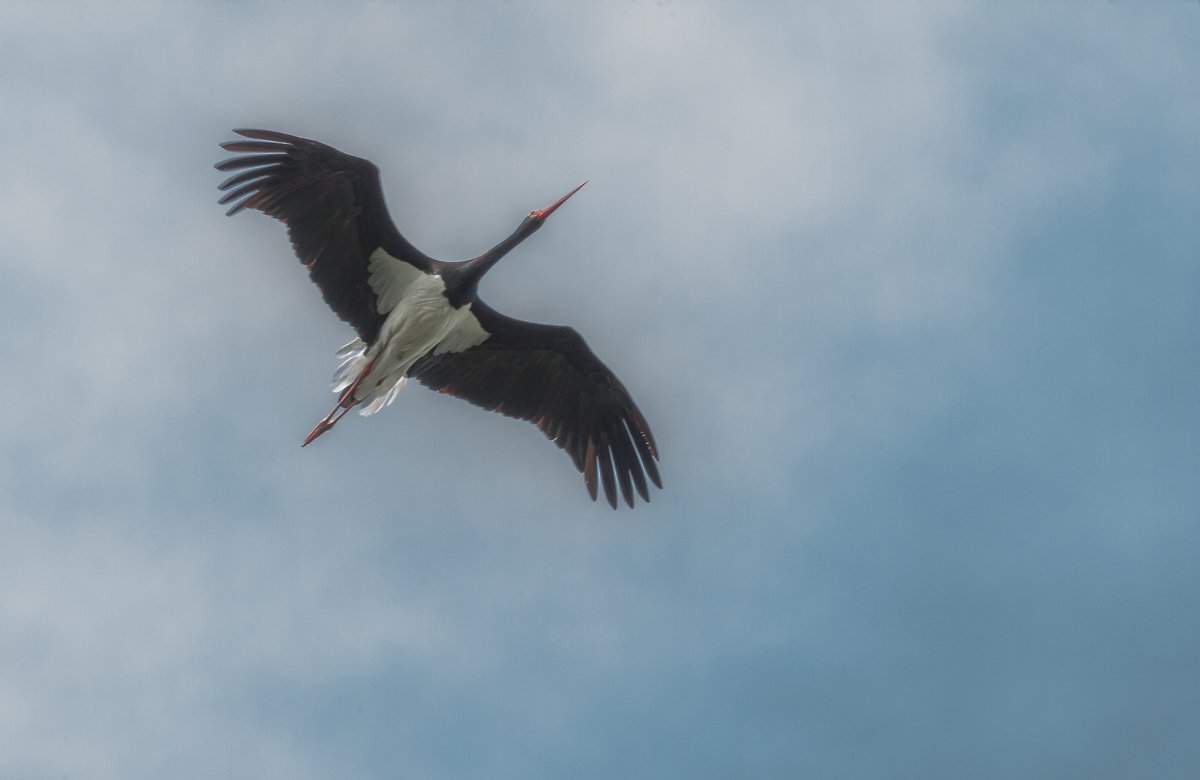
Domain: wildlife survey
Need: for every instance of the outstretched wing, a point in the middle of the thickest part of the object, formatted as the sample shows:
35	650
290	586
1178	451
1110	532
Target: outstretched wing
332	204
547	375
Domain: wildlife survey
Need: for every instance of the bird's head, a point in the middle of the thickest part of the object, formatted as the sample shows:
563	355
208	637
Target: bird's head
461	280
537	217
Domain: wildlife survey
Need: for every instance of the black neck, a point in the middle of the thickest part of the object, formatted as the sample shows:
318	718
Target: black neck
462	279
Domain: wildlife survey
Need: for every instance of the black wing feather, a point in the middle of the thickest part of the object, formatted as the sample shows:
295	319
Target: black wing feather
333	206
546	374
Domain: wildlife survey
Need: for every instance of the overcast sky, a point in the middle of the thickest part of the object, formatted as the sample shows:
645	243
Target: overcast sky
907	292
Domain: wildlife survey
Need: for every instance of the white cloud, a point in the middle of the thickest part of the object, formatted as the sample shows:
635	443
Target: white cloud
791	246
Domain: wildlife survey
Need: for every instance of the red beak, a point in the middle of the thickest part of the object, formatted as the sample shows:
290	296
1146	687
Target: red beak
543	213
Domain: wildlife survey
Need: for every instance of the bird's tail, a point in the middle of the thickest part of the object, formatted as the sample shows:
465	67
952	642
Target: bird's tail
354	361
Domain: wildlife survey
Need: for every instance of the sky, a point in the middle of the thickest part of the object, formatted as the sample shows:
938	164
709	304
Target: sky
907	292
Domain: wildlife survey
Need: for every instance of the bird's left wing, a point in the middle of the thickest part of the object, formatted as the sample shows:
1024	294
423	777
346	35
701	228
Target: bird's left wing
332	204
546	374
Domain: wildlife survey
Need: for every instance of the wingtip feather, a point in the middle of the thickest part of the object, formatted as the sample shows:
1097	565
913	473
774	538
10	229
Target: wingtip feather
607	477
589	469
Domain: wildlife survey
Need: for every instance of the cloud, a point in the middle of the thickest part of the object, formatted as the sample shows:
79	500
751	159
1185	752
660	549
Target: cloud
902	290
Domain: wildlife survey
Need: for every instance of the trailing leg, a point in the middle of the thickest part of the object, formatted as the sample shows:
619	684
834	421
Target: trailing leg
345	402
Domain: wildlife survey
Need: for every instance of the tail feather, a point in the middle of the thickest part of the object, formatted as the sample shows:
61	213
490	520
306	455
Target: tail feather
383	398
354	361
356	347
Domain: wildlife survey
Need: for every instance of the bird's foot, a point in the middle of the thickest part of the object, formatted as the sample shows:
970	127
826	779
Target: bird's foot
322	426
327	423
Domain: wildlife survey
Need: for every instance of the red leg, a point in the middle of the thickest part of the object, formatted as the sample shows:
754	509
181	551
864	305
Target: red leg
345	403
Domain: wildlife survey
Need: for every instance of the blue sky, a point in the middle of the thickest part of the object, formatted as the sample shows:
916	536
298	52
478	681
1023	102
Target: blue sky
907	292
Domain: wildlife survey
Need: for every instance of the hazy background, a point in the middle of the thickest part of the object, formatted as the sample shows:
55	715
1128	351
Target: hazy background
907	291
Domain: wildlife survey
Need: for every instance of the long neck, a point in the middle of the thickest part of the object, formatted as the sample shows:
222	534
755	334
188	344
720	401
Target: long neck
463	278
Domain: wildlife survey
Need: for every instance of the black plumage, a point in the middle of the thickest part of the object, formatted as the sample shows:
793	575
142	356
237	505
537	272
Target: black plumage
334	210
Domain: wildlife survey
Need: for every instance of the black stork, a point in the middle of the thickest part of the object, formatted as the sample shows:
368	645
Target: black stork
423	318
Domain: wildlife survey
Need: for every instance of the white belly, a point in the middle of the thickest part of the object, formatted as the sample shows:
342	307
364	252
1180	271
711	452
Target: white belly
419	320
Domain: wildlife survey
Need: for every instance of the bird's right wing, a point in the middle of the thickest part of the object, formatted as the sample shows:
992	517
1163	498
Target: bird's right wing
333	206
546	374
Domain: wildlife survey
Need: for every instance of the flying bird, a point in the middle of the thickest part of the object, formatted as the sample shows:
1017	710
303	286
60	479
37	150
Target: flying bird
423	318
